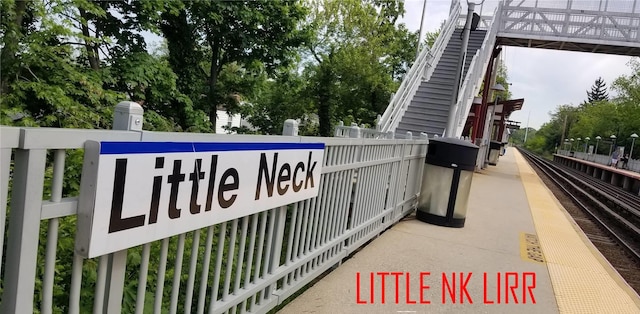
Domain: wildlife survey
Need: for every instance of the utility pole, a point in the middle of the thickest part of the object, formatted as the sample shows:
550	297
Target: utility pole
526	130
564	129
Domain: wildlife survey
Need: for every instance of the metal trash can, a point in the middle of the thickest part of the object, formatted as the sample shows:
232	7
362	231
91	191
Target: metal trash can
494	152
446	182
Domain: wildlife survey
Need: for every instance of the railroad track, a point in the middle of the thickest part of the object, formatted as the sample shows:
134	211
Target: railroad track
612	209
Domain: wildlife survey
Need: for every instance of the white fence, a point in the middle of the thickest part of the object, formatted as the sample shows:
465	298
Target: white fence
250	264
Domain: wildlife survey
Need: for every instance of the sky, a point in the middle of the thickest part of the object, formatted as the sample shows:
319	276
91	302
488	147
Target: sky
544	78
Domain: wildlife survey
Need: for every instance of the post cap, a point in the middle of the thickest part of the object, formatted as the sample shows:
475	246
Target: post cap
129	107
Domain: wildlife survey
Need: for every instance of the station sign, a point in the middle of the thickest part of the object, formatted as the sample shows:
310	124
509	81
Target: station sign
138	192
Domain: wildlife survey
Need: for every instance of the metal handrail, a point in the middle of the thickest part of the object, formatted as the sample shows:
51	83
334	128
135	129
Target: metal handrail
422	69
471	84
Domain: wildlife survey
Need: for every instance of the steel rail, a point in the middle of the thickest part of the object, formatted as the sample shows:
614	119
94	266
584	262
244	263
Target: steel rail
564	183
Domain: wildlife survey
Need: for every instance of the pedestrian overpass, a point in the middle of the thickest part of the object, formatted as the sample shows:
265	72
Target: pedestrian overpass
253	261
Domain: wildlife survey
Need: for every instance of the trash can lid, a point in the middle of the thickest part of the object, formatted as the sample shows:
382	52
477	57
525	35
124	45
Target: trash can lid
452	152
494	145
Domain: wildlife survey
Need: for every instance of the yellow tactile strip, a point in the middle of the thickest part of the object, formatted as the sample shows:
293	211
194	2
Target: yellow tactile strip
581	282
530	249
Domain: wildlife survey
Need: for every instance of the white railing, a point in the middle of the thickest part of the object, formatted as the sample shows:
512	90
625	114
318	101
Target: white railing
632	164
473	80
420	71
609	6
354	131
576	20
248	264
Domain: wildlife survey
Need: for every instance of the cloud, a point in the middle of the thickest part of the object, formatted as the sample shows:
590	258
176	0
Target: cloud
544	78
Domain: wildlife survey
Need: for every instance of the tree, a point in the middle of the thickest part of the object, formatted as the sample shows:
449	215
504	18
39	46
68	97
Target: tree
255	35
280	99
51	79
598	91
356	54
517	136
431	37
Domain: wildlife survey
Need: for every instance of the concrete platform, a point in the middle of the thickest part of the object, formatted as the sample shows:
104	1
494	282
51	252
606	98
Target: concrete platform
519	252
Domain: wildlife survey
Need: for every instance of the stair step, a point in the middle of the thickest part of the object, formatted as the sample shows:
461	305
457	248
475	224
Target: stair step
437	92
436	89
419	112
426	122
429	103
423	126
429	109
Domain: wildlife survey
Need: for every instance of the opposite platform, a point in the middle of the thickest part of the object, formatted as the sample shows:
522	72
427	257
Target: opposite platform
624	172
496	255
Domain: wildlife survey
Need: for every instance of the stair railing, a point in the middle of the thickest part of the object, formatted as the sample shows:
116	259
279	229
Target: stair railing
473	79
420	71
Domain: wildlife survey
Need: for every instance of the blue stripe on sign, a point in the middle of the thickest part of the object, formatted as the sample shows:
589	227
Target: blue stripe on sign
112	148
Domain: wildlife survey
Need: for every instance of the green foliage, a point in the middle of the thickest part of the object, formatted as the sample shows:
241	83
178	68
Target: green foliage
431	37
52	74
358	56
619	116
279	99
240	34
502	78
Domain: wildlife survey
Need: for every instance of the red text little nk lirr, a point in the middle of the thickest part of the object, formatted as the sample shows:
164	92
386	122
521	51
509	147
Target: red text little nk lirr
386	287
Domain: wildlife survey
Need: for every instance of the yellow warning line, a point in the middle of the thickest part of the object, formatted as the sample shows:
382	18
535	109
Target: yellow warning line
582	280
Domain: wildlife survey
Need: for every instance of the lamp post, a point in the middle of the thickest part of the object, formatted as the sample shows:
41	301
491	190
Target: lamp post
571	140
566	143
634	136
578	143
598	138
613	143
586	144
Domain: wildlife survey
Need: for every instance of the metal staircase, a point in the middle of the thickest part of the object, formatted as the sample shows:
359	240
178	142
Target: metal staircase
429	109
423	100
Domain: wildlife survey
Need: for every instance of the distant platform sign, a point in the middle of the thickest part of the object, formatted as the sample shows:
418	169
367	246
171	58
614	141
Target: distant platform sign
138	192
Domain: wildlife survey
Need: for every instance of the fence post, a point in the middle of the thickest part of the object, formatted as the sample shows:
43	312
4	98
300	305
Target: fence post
339	129
24	231
290	128
128	116
354	131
